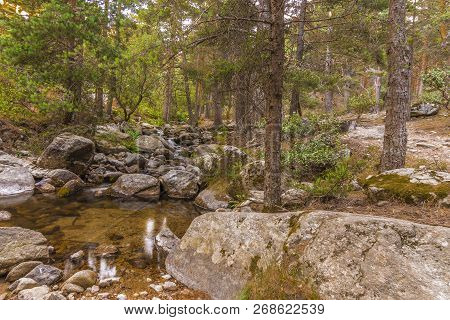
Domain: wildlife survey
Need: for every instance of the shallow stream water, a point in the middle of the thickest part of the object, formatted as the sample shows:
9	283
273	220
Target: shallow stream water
86	223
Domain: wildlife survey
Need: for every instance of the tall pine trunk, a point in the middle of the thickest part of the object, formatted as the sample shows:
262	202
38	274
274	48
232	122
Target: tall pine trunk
295	96
272	184
397	97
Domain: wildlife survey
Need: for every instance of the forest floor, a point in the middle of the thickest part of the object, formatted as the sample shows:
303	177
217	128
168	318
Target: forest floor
428	138
428	145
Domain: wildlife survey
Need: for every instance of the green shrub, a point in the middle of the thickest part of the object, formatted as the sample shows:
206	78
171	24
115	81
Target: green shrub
361	103
312	158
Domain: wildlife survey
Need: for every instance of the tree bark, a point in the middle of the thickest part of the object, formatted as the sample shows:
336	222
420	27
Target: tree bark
168	94
328	93
397	97
295	95
272	184
217	102
187	90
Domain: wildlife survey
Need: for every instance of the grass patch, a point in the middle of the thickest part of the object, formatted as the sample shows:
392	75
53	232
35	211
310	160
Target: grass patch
278	282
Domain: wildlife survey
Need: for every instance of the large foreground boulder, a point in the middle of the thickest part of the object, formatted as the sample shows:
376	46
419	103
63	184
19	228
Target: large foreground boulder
15	181
18	245
139	185
343	255
409	185
68	151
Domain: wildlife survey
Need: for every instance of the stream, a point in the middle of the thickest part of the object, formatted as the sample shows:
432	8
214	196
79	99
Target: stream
90	224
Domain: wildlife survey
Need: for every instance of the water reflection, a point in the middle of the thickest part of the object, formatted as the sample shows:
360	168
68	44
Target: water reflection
83	223
107	268
149	238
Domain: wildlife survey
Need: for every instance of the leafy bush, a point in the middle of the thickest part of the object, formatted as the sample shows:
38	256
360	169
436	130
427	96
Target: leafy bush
361	103
313	157
312	125
314	144
436	81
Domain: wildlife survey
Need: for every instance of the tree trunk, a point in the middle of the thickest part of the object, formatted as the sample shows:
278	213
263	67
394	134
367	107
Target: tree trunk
397	97
377	91
217	102
347	72
187	90
328	64
242	114
328	93
168	94
295	96
99	101
272	184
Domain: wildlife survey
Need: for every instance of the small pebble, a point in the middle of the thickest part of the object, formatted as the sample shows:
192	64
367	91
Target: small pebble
103	295
156	298
121	296
95	289
143	293
166	277
156	287
169	285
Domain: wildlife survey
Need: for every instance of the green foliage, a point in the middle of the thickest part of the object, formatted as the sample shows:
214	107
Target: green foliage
436	81
314	144
361	103
336	182
312	125
47	48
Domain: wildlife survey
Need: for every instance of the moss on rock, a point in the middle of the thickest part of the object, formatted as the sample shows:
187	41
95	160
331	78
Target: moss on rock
388	186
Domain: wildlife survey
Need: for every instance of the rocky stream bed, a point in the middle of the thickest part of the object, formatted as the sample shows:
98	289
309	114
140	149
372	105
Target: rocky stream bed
114	217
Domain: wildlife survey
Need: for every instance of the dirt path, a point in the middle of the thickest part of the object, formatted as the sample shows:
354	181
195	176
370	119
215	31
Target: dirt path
428	138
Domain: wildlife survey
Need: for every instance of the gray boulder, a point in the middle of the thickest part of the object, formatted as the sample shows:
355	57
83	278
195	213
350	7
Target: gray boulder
343	255
68	151
84	279
71	188
252	175
55	295
45	274
18	245
60	177
139	185
214	197
165	241
15	181
23	284
21	270
424	110
149	144
180	184
409	185
5	215
37	293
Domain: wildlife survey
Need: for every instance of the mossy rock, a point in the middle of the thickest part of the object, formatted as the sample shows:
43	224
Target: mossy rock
393	186
113	143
